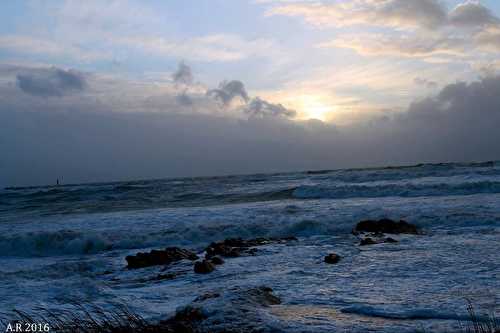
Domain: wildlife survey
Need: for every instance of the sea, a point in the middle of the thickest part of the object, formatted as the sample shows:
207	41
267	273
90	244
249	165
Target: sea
65	246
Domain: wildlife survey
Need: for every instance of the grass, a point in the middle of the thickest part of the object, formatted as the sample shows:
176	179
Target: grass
479	323
120	319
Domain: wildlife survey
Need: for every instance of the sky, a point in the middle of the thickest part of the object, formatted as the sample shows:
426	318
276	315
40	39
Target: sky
123	89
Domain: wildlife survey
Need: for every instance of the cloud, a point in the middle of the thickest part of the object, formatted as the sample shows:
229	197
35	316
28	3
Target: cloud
228	91
392	13
51	82
35	45
258	107
116	30
88	138
489	39
400	45
183	74
472	14
416	28
425	82
218	47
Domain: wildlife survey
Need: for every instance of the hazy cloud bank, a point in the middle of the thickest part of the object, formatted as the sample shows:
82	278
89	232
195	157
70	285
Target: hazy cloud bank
84	136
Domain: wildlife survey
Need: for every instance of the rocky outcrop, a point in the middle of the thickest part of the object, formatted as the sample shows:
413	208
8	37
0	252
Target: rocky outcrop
235	247
159	257
217	260
263	296
371	241
367	241
203	267
385	226
186	320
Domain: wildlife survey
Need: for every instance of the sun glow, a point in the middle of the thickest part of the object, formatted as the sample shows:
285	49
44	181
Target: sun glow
313	107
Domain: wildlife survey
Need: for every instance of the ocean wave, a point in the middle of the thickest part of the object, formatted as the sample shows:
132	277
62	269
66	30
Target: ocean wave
52	243
194	234
408	314
395	189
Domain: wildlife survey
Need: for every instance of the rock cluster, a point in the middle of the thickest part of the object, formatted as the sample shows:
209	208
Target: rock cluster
203	267
235	247
385	226
159	257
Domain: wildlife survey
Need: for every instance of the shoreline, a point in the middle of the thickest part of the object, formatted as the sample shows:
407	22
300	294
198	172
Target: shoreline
209	312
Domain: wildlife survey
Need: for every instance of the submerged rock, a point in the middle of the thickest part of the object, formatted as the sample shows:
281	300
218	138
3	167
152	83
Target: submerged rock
217	260
186	320
385	226
203	267
159	257
233	310
235	247
263	296
332	258
371	241
206	296
367	241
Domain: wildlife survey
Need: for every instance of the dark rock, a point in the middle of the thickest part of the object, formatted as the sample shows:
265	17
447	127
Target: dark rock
367	241
390	240
385	226
217	260
184	321
206	296
332	258
371	241
159	257
289	239
168	276
263	296
203	267
235	247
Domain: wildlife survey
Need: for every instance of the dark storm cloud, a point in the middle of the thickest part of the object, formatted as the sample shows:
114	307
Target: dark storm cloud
183	74
229	90
261	108
51	82
78	139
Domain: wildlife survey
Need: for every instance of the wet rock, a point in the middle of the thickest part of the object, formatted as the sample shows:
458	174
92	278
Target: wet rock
367	241
168	276
159	257
235	247
385	226
371	241
390	240
217	260
185	320
332	258
206	296
203	267
263	296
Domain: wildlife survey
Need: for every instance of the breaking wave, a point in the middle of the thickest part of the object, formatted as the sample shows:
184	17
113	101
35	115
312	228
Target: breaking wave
396	190
408	314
